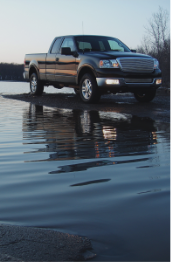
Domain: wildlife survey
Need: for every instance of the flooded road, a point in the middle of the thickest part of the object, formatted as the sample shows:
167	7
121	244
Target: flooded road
100	174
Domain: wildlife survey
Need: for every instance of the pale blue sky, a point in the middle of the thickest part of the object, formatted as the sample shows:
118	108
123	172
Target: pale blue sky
29	26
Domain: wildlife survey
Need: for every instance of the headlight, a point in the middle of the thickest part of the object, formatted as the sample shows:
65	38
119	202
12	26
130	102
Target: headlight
156	64
108	64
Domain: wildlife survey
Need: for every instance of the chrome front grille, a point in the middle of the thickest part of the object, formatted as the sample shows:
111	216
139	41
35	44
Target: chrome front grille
137	80
136	65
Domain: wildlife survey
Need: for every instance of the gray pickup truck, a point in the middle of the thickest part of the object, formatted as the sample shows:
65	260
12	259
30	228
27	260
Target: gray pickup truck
93	66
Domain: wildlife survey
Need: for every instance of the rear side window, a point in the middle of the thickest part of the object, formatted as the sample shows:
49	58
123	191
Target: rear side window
56	46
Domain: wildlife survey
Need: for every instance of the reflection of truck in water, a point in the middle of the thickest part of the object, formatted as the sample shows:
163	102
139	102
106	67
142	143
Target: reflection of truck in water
76	134
93	65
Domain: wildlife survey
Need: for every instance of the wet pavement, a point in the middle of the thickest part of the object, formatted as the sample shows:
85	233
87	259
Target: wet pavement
32	244
158	109
100	171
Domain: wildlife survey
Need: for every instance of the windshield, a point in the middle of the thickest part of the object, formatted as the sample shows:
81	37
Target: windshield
99	43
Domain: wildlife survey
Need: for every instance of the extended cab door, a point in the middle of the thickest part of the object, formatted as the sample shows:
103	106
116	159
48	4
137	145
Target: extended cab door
51	59
65	71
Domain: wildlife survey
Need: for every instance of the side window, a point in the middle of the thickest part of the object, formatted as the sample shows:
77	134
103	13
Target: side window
68	42
84	45
56	46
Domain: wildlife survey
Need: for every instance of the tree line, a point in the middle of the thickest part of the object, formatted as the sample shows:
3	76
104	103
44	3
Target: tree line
11	72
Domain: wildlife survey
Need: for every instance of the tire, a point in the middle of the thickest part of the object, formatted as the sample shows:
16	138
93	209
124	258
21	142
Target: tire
89	92
145	96
36	87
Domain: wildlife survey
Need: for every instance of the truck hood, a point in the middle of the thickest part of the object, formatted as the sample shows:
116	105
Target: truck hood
115	54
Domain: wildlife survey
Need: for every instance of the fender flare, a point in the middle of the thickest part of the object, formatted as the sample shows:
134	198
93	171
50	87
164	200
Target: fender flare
33	67
82	70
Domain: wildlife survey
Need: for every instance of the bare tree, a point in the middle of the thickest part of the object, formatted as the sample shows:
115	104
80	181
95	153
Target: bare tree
158	30
156	41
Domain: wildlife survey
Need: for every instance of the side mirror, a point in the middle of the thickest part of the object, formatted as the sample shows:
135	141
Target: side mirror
66	51
75	54
133	50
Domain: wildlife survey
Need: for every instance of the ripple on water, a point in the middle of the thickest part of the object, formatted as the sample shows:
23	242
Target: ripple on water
103	175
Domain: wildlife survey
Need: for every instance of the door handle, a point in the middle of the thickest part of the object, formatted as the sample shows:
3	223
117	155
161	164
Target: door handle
57	59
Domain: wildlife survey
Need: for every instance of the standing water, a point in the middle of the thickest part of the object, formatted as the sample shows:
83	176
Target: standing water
104	175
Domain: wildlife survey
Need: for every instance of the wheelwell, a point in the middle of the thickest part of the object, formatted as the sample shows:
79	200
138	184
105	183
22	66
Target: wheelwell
32	70
84	71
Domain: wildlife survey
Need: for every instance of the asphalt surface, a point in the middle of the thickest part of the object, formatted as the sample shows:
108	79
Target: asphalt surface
32	244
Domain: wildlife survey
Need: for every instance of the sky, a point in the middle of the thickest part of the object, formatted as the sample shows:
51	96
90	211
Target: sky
29	26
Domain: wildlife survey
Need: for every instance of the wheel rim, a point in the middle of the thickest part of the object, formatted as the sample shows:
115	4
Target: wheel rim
86	89
33	84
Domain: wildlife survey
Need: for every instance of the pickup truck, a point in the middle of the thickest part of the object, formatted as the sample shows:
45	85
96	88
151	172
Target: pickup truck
93	66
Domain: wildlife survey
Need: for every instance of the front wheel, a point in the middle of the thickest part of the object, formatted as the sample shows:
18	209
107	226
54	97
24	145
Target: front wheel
89	92
36	87
145	96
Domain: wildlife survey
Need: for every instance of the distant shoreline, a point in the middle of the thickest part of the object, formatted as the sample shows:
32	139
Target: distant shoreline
13	81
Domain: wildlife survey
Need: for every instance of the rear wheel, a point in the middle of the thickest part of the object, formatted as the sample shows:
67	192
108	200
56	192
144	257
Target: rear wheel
145	96
89	92
36	87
